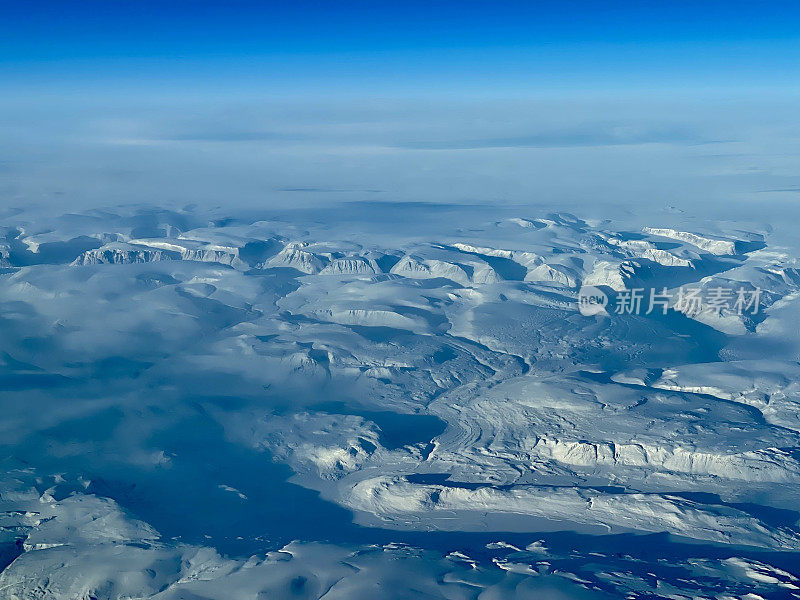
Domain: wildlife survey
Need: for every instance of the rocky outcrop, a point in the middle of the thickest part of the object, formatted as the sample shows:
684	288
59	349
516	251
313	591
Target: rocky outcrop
294	256
350	266
119	254
714	245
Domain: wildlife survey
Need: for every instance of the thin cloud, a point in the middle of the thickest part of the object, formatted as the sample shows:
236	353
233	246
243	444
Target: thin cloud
230	136
327	190
567	139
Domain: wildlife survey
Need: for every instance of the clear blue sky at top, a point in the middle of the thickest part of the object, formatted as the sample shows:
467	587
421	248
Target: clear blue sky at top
402	44
53	30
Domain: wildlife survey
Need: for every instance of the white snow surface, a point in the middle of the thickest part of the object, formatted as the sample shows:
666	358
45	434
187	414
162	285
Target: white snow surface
215	405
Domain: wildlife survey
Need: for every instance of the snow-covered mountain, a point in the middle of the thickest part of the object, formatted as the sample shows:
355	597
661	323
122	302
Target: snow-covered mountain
231	405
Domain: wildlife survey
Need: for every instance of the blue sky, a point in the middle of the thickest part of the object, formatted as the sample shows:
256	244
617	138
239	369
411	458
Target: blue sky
260	103
385	47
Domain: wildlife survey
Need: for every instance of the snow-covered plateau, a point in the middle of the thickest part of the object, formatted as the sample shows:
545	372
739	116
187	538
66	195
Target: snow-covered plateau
369	402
